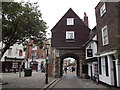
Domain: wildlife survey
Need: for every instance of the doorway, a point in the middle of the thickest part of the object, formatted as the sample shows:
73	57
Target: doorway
114	73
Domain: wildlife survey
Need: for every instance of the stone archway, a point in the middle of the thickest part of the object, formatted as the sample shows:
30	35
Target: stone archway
72	55
57	62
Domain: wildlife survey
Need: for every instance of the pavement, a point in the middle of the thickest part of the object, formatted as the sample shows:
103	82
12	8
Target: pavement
37	80
71	81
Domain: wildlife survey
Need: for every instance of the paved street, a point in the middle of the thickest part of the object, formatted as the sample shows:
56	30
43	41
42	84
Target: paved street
70	80
37	80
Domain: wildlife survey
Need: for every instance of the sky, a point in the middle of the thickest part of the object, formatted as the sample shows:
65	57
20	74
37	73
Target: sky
53	10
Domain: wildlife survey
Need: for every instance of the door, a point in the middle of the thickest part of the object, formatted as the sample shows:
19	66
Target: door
91	72
114	73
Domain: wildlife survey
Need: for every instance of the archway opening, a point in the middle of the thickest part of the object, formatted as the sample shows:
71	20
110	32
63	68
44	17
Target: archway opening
69	65
72	61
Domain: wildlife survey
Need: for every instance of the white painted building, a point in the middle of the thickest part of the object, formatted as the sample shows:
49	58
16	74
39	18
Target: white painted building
15	51
109	72
13	58
91	58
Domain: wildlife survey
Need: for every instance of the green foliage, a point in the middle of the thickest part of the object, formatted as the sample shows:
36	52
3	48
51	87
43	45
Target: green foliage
21	21
118	52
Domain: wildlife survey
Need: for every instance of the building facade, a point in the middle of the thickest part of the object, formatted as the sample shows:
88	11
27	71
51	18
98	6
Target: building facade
35	56
91	57
12	58
108	26
68	37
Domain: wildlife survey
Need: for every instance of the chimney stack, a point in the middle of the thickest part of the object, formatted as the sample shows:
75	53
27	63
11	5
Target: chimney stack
86	19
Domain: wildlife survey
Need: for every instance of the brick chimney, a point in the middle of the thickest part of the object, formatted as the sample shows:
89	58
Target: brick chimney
85	20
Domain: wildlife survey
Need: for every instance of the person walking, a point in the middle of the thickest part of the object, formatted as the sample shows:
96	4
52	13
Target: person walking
73	69
65	69
20	70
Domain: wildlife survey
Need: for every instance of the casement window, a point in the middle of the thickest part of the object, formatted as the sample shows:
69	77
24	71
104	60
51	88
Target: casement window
105	36
69	35
103	66
14	65
70	21
103	10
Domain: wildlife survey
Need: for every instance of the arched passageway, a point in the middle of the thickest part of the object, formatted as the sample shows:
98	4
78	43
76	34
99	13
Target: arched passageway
71	55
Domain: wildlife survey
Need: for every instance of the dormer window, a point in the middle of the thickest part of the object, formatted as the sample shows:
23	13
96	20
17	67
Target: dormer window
102	10
70	21
69	35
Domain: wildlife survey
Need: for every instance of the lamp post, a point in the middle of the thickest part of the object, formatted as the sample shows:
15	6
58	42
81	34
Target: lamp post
33	54
47	58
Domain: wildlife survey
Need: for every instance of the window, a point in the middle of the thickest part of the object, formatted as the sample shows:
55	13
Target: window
34	47
14	65
105	36
20	53
103	66
102	10
70	35
70	21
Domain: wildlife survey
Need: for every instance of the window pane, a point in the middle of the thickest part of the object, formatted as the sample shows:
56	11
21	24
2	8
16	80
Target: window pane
103	66
70	35
70	21
102	10
105	35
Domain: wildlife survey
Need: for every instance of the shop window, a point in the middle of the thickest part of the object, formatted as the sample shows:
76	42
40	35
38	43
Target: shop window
14	65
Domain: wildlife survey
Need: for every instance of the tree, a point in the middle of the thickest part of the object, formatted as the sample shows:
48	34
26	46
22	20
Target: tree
117	54
21	21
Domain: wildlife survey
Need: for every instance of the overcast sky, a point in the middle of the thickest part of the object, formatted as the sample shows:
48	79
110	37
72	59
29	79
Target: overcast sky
53	10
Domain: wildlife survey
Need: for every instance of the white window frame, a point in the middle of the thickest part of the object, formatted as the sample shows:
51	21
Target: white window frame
68	35
70	21
103	10
103	66
105	39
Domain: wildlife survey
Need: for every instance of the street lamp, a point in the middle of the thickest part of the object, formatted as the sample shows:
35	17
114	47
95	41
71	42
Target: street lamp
47	57
33	55
57	53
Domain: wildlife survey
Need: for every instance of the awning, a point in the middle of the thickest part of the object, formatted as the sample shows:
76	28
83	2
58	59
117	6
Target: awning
9	59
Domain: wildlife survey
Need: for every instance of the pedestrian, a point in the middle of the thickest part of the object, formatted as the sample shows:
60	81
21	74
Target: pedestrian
73	69
20	70
65	69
